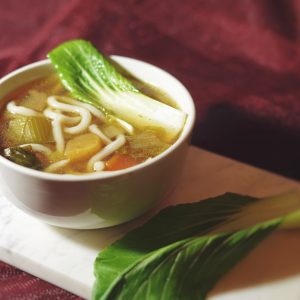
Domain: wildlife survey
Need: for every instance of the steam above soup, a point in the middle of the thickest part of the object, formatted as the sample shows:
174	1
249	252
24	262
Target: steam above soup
93	122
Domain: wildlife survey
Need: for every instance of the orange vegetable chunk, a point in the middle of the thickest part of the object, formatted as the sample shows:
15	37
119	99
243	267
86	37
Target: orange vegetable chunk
120	161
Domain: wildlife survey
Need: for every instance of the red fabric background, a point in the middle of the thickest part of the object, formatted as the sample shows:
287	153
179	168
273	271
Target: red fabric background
239	59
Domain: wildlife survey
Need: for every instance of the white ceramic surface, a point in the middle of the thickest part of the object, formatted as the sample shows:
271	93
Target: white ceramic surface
65	257
103	199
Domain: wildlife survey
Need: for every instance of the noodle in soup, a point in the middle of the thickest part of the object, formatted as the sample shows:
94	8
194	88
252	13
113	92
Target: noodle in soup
44	128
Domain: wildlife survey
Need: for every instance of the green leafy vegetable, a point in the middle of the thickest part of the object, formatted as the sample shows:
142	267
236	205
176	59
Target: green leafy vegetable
92	79
23	157
187	269
144	87
184	250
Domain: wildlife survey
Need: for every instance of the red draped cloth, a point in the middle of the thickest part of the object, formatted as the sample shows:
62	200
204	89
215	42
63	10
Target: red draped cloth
240	59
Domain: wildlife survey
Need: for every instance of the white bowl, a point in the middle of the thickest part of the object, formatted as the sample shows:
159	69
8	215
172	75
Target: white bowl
97	200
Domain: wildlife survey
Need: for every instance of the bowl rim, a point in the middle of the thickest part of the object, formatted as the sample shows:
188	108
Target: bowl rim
184	135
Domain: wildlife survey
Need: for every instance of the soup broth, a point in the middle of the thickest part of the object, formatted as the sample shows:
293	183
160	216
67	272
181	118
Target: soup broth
43	127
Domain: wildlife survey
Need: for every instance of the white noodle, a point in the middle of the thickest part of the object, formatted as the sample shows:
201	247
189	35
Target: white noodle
84	113
92	109
49	113
95	129
81	123
126	126
21	110
58	134
57	165
107	150
99	166
38	148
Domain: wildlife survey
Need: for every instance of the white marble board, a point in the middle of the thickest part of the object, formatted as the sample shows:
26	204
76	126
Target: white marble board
65	257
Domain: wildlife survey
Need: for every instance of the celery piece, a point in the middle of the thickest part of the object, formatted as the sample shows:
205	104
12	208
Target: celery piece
24	130
146	144
35	100
112	131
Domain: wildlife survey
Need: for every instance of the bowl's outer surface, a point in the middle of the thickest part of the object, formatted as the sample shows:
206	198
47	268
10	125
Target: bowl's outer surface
97	201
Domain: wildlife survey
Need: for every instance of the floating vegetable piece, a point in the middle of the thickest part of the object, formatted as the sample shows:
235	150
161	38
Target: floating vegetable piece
35	100
92	79
27	130
146	144
82	147
112	131
23	157
120	161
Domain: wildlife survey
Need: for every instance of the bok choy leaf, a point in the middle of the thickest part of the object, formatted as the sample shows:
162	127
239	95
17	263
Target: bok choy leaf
92	79
184	250
23	157
187	269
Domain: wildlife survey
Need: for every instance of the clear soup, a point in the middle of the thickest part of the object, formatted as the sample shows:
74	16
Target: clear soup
43	127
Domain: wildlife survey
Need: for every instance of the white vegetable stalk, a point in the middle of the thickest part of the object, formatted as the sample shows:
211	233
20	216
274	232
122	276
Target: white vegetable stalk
269	208
144	112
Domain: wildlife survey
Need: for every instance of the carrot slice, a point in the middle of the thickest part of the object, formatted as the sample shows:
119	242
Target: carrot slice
120	161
